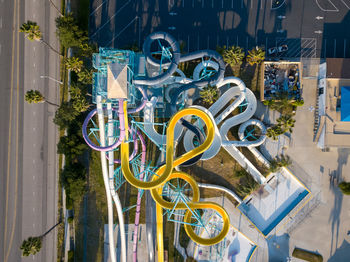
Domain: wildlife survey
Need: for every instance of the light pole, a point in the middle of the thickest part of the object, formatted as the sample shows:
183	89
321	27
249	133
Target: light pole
53	79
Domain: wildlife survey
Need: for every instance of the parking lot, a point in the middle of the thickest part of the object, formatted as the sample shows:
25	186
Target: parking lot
310	28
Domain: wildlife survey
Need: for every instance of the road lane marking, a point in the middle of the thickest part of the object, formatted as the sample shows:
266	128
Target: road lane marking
10	128
16	155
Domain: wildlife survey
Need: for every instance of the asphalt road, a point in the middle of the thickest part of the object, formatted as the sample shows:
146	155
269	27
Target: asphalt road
28	180
311	28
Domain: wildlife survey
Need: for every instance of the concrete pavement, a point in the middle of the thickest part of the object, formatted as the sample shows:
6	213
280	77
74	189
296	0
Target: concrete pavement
28	138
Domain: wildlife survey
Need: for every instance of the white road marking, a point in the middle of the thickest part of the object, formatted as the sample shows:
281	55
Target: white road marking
0	48
33	193
203	3
0	22
34	48
208	43
33	210
335	46
345	4
34	145
192	3
325	46
183	3
328	10
34	115
226	41
251	4
34	81
33	161
34	64
232	4
222	3
33	227
33	177
261	4
34	128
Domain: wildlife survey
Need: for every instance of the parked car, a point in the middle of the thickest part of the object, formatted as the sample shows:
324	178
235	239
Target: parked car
277	49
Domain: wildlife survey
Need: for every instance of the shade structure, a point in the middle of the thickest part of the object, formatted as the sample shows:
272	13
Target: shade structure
117	81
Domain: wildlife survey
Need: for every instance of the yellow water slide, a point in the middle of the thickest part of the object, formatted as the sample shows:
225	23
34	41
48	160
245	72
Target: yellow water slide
166	172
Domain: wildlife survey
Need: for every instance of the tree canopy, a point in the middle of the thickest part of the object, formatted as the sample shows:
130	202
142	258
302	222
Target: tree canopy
234	55
69	33
34	96
255	56
209	94
31	31
31	246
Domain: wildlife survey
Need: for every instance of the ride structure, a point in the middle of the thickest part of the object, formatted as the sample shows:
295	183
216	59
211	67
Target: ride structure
128	89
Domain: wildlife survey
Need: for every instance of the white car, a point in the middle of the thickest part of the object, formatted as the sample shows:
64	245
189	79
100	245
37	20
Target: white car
279	49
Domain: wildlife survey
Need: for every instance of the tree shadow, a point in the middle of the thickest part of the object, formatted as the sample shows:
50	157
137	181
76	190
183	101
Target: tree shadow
335	176
93	234
278	248
342	253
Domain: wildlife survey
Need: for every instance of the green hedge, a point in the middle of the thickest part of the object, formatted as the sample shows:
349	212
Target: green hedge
307	255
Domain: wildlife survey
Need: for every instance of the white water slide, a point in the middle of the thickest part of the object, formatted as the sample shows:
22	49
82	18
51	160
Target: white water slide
239	92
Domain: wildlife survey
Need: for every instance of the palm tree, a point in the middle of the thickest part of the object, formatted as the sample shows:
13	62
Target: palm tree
298	102
255	56
31	246
209	94
74	64
286	122
85	76
274	132
233	55
284	161
34	96
344	187
33	33
80	104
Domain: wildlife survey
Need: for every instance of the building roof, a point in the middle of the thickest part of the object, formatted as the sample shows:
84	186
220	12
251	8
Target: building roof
345	104
117	81
338	68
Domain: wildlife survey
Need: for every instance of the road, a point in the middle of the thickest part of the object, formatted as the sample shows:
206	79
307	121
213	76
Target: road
311	28
28	165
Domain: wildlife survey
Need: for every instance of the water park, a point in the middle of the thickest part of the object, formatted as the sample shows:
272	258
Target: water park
149	130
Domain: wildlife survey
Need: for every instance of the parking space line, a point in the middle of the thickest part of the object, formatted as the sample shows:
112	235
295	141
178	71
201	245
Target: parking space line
335	47
237	41
97	8
266	41
345	4
328	10
203	3
192	3
261	4
222	3
232	4
208	43
251	4
226	41
325	46
198	42
120	32
109	19
217	40
242	3
247	43
212	3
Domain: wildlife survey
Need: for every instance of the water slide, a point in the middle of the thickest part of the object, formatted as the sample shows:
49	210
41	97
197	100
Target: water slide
165	173
239	92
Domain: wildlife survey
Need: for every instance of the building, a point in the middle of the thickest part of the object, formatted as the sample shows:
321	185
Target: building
333	113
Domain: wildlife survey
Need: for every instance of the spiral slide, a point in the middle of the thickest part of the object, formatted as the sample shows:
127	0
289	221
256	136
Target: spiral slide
165	173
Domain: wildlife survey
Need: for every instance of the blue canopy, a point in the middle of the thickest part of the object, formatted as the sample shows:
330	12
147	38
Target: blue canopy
345	103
